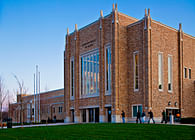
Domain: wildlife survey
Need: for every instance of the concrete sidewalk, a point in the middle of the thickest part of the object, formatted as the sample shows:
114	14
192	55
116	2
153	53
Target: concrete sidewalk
56	124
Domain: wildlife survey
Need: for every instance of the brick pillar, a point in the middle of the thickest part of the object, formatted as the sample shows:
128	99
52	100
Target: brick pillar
102	72
181	67
67	79
76	73
115	66
144	58
148	65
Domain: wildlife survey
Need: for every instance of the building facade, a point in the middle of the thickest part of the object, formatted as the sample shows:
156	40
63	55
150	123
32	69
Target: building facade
27	108
121	63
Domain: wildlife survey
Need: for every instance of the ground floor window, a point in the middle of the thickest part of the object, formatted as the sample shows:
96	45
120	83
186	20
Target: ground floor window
135	109
60	109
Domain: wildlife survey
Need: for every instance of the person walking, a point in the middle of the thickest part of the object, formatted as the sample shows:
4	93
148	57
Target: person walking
164	117
138	117
151	117
123	116
143	116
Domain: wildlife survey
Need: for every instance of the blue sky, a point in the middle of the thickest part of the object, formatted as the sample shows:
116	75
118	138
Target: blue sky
32	32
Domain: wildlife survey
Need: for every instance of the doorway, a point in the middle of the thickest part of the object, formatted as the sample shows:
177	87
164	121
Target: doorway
84	115
96	114
108	114
72	115
172	111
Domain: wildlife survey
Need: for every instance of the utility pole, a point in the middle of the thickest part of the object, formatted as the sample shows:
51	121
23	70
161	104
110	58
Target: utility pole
37	95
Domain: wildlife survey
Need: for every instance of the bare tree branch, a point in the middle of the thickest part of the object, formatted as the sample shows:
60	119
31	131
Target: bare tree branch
2	98
22	90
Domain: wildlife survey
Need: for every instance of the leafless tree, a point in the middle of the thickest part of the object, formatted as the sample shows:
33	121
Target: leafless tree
22	90
2	99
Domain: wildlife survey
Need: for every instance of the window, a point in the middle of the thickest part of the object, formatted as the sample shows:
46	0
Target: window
136	71
53	109
135	109
60	109
48	109
190	76
89	66
108	70
28	110
72	79
32	111
160	71
169	73
185	73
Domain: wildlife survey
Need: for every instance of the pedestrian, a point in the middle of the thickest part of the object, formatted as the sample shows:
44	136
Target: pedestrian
164	117
151	117
143	116
123	116
138	117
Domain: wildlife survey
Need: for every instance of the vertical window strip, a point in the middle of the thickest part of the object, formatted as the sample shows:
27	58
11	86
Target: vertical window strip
81	75
185	73
98	77
72	78
160	71
190	75
170	73
136	71
108	70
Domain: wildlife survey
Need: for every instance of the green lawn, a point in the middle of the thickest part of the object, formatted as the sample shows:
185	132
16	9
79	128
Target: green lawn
101	131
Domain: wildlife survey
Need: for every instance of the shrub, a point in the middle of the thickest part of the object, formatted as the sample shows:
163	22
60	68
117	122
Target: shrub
188	120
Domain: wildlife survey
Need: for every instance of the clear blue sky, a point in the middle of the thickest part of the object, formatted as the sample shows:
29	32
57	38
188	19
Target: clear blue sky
33	32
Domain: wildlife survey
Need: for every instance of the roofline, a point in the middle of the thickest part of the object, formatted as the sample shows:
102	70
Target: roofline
128	16
135	23
171	28
45	92
89	24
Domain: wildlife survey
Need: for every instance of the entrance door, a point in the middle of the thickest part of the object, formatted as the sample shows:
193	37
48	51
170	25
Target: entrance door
96	114
109	113
84	115
91	115
72	115
172	112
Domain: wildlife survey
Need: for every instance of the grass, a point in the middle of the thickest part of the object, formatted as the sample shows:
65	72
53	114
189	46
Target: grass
101	131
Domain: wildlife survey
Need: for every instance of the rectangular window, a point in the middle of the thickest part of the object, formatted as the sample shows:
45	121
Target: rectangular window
108	70
136	71
32	111
60	109
185	73
190	76
135	110
160	71
53	109
28	110
170	73
72	79
89	64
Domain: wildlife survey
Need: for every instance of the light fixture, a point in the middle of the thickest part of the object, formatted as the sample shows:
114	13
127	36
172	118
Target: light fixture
169	103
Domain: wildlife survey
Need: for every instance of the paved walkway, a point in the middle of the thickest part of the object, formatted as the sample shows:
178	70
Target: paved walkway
56	124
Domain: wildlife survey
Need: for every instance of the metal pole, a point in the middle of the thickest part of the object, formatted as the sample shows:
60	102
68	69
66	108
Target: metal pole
39	95
34	97
36	92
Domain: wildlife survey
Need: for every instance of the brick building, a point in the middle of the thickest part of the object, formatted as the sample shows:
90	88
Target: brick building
51	105
121	63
